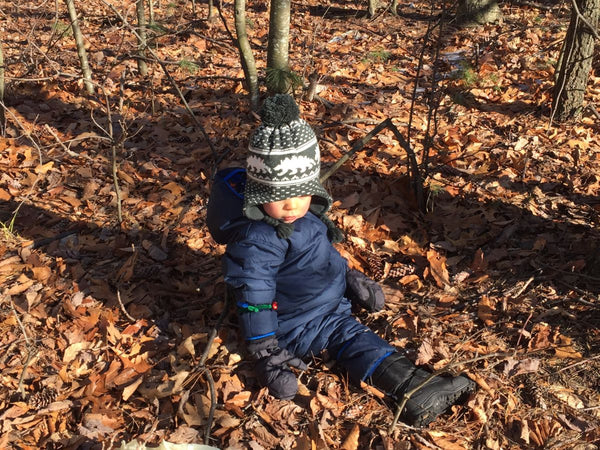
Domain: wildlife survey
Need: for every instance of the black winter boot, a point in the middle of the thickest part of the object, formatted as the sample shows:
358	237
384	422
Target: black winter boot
397	375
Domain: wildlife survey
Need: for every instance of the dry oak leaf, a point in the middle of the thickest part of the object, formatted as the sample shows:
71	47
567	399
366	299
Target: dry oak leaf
514	367
540	336
73	350
479	263
485	310
437	265
41	273
565	348
129	390
283	413
332	404
447	441
425	353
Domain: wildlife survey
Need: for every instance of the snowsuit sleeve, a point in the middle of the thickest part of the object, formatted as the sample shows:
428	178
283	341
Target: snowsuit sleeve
250	267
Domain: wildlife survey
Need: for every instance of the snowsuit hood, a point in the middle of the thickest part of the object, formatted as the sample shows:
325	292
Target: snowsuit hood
224	211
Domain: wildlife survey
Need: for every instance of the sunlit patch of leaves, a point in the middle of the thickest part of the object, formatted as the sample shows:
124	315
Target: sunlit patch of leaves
146	385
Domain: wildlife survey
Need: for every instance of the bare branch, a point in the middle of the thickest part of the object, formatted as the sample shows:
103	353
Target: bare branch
589	26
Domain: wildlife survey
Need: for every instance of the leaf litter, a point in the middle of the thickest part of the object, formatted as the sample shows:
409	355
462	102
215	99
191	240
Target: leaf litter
106	327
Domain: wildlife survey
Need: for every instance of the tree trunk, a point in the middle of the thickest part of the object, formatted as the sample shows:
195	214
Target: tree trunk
246	56
151	11
85	67
278	47
477	12
575	62
373	4
2	121
141	37
211	13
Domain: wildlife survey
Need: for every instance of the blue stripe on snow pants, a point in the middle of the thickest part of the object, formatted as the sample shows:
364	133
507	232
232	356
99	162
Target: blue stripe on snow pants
354	346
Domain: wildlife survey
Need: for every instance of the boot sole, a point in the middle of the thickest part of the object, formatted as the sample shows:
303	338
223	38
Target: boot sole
421	416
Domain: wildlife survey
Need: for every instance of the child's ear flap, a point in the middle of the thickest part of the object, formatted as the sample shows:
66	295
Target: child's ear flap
254	212
318	205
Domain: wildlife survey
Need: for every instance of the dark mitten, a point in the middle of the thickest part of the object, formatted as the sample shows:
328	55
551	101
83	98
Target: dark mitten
365	292
272	367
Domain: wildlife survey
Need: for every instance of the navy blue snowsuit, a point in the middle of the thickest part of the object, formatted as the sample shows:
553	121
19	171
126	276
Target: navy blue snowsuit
306	277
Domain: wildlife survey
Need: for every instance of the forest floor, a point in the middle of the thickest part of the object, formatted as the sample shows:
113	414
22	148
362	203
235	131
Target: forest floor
106	328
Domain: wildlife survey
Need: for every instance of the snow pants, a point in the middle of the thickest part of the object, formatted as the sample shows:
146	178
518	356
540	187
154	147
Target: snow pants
355	347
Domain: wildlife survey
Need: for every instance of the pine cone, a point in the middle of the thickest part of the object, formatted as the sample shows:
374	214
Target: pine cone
400	270
376	266
41	399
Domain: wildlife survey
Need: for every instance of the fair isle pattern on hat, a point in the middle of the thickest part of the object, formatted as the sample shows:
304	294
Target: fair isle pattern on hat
284	156
283	160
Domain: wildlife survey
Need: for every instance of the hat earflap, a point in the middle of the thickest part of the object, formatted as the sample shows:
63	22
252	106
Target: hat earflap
334	234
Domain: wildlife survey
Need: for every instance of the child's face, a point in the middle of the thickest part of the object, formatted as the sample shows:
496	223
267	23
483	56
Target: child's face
288	210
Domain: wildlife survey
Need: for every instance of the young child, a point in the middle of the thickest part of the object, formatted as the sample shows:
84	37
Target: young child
293	289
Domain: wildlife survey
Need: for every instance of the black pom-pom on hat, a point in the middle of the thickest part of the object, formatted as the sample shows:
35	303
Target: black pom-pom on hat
280	109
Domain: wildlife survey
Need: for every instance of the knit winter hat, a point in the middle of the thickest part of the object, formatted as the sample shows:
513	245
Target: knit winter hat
283	162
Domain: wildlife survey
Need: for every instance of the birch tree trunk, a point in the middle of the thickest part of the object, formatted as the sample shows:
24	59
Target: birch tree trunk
575	62
246	56
278	47
141	37
83	60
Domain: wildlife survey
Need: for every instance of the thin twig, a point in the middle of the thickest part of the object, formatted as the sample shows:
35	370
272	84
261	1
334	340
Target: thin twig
206	371
213	405
366	120
45	241
591	408
591	28
30	350
413	165
592	109
581	275
356	147
522	289
129	316
67	150
229	33
521	331
580	291
578	363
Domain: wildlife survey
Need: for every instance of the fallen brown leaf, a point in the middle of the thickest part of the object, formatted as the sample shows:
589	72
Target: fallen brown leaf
351	440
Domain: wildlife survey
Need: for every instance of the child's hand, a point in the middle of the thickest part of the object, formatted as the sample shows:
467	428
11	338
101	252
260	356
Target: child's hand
365	292
273	372
272	367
